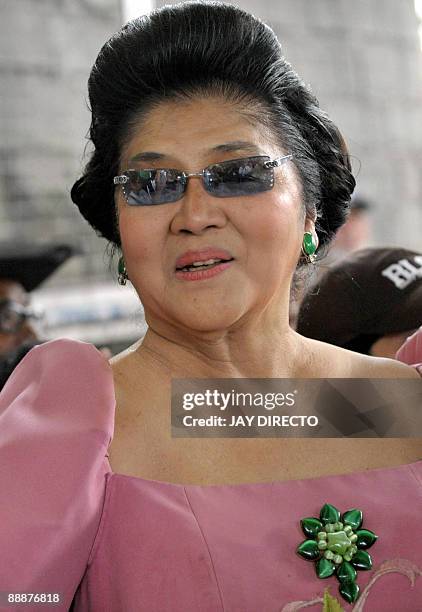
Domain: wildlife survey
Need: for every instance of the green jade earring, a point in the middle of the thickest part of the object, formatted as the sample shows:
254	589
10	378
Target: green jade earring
122	278
309	247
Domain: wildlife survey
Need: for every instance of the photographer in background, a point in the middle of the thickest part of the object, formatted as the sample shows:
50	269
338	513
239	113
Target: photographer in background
22	269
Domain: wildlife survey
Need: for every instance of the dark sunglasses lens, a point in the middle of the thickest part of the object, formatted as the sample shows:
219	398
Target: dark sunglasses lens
149	187
239	177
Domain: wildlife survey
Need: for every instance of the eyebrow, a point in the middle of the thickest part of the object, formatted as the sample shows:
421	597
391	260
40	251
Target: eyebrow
237	145
227	147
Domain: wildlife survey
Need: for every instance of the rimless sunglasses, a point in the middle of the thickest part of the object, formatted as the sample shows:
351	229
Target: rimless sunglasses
232	178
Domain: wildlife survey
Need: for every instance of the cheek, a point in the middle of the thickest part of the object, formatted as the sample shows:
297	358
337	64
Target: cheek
274	223
275	238
142	238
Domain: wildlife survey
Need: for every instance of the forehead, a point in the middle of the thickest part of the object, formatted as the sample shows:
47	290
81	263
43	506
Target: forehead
197	131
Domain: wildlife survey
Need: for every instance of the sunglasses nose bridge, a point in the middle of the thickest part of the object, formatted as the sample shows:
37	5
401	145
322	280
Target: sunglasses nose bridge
193	174
201	175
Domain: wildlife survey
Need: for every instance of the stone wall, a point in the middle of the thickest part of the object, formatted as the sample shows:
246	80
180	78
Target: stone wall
361	58
46	51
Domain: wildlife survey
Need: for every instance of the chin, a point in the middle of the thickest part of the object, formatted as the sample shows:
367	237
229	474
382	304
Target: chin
208	319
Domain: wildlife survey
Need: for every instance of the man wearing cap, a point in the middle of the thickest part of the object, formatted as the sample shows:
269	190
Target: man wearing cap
369	302
22	269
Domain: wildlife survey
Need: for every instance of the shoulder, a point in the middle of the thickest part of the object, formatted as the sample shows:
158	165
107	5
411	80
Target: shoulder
62	349
380	367
59	354
68	381
67	356
331	361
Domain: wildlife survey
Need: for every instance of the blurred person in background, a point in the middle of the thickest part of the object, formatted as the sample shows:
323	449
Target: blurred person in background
23	268
216	175
369	302
355	233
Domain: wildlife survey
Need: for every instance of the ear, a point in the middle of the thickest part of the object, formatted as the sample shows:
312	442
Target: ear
310	227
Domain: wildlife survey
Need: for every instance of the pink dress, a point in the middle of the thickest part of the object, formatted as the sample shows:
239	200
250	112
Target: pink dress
114	543
410	351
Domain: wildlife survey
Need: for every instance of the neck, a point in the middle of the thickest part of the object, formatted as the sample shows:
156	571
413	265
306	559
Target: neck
264	348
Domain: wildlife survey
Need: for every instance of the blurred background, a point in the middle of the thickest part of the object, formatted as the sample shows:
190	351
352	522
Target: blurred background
362	59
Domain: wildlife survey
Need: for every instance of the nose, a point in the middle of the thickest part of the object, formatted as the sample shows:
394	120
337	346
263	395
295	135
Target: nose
198	210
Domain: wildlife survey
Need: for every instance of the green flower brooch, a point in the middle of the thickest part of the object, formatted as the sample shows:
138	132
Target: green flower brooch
336	543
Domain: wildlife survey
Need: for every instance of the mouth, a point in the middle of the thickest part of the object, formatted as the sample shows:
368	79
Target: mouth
202	259
202	265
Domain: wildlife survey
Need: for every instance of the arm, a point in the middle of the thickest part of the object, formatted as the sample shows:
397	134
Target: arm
55	426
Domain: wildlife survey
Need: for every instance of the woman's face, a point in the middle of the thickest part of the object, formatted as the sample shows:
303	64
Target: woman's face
261	232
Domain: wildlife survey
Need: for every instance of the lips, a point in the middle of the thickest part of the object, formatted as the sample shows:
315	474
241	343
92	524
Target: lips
189	257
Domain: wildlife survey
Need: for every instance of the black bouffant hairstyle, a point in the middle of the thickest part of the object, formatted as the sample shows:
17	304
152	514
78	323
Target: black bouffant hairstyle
194	48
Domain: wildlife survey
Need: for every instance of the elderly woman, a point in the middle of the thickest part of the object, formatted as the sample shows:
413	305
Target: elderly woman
216	175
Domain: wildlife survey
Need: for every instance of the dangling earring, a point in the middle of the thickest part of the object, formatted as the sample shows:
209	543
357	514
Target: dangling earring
122	278
309	246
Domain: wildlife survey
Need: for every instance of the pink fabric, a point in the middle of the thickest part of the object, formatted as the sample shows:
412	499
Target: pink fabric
125	544
411	351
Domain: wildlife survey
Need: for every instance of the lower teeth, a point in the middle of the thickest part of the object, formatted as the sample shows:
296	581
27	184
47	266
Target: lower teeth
204	267
193	268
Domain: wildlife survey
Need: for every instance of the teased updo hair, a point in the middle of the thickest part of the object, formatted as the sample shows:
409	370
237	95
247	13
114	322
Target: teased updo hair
191	49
